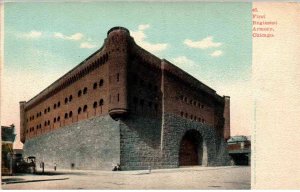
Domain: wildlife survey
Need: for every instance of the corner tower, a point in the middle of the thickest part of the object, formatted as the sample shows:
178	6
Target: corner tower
117	46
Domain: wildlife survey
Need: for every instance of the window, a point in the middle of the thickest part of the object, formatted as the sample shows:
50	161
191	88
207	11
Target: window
195	103
141	82
85	90
95	104
150	104
185	99
66	115
66	100
70	98
155	107
58	118
54	106
135	100
142	102
54	120
48	109
70	114
58	104
101	102
79	93
101	82
181	114
48	122
95	86
149	86
118	97
45	123
85	108
79	110
118	77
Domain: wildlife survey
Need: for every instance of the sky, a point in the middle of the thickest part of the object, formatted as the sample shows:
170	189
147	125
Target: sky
210	41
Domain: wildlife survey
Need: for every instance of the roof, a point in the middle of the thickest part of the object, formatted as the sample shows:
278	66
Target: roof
238	138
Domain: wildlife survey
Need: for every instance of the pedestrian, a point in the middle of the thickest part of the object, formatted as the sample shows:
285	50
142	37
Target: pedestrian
54	166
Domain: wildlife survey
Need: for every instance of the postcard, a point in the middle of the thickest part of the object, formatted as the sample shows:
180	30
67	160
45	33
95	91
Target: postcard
150	95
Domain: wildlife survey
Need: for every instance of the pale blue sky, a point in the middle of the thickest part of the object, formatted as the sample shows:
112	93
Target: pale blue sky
211	41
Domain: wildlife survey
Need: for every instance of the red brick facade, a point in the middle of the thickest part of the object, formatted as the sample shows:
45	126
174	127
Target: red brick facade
119	79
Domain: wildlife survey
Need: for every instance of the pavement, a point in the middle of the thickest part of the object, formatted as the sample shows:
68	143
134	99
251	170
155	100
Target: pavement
196	177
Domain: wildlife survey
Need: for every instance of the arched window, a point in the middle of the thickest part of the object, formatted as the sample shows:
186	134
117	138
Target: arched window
48	122
66	100
54	106
95	85
70	98
101	82
79	110
95	104
118	96
85	90
85	108
79	93
70	114
58	118
48	109
54	120
58	104
66	115
101	102
118	77
181	114
45	123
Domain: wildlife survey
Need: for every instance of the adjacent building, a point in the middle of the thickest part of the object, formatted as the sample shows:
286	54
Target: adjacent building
7	140
123	105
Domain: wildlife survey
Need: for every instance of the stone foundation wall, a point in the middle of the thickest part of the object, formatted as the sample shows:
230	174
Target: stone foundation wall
89	144
174	129
140	142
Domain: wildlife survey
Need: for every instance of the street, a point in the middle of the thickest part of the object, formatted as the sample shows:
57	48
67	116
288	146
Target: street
196	177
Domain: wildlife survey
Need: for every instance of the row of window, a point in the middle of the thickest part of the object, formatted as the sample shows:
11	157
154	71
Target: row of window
191	102
68	115
143	83
67	99
192	117
142	103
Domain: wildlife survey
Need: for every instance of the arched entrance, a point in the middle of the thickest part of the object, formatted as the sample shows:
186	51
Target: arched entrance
192	149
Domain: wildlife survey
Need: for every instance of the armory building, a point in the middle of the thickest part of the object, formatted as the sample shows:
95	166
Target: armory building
124	105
